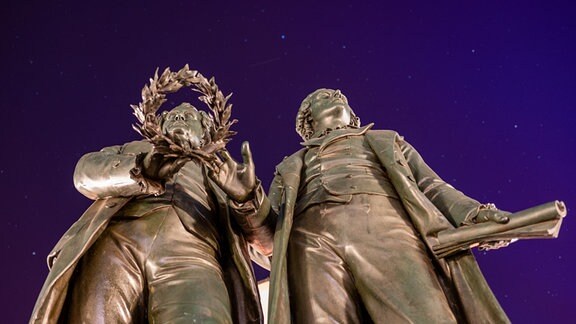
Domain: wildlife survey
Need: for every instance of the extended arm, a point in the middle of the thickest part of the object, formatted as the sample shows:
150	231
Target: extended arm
107	173
248	203
457	207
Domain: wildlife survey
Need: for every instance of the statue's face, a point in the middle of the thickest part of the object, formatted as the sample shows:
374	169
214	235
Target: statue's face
329	109
184	126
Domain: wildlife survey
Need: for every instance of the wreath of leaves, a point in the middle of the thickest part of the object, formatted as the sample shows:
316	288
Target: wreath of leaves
154	95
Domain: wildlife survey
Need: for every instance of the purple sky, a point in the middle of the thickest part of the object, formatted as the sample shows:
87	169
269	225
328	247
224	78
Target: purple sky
485	91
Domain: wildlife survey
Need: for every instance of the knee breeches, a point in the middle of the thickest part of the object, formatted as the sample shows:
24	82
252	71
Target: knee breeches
149	269
359	262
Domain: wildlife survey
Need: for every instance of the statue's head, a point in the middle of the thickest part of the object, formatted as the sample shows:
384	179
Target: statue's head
324	110
187	126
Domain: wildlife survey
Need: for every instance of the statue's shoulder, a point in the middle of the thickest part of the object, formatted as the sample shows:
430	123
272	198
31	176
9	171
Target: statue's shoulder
133	147
383	134
294	159
141	146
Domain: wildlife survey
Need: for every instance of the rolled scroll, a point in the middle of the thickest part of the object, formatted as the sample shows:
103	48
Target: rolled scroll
542	221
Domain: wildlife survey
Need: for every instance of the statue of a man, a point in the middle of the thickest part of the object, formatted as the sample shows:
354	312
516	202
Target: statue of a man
356	212
159	244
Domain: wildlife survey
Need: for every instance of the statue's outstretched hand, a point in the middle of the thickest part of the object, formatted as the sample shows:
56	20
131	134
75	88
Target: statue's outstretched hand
238	181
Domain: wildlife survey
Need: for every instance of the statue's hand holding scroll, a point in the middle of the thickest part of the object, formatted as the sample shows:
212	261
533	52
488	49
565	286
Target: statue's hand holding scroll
489	213
238	181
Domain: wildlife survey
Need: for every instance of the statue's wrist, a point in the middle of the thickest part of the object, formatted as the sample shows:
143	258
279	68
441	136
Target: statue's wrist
147	185
254	196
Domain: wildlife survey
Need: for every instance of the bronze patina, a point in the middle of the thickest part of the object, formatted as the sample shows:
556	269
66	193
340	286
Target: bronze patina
357	215
161	243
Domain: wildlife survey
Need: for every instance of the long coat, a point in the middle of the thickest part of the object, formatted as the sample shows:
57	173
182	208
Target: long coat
65	256
432	205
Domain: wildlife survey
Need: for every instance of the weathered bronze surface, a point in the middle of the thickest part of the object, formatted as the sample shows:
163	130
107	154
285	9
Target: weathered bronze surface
358	227
159	244
357	213
541	221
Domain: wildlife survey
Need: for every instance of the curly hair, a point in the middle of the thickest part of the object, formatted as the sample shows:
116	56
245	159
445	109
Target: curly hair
304	117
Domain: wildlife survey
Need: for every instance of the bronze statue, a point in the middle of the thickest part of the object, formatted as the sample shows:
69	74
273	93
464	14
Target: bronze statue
161	242
357	214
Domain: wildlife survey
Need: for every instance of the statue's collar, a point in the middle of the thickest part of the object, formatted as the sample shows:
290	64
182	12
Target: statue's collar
335	134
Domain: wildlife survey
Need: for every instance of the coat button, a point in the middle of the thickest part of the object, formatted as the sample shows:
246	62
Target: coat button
111	204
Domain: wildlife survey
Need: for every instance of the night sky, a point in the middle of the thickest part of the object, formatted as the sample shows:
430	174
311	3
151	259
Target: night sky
485	90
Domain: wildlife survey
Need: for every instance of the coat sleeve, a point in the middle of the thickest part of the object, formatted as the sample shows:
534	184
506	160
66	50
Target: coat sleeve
110	172
456	206
258	219
255	218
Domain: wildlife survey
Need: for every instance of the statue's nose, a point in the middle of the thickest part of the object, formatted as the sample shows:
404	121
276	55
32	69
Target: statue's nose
180	117
337	94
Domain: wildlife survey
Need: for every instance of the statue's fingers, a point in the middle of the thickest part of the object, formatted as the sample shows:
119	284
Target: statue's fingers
501	218
157	159
482	217
218	158
247	154
225	155
496	216
214	176
170	166
178	164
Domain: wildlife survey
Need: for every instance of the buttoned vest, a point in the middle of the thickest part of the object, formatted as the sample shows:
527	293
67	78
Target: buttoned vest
341	166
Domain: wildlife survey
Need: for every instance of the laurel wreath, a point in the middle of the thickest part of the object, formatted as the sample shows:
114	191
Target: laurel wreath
154	95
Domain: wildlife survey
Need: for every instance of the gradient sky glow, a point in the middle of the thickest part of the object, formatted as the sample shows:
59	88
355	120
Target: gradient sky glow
486	91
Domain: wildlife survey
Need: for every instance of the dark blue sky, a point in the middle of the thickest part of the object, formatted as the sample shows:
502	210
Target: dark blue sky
484	90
